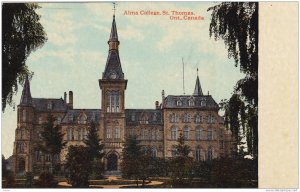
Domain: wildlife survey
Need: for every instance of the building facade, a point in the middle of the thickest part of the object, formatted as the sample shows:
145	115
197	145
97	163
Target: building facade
194	116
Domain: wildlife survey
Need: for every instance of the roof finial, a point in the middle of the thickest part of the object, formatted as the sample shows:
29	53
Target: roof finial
114	8
197	71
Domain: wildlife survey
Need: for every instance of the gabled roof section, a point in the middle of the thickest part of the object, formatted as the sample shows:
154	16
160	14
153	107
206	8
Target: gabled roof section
72	116
49	104
26	98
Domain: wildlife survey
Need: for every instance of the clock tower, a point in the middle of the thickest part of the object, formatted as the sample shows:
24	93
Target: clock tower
112	118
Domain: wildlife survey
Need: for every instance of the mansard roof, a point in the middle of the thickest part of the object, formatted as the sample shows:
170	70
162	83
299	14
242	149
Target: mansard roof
41	104
144	116
199	101
73	114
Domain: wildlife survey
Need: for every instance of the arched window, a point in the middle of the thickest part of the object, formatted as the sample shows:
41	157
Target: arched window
153	134
198	118
186	133
198	154
49	106
38	156
209	134
153	152
210	118
155	117
21	147
113	101
174	133
191	102
209	153
179	103
203	103
174	118
82	119
198	133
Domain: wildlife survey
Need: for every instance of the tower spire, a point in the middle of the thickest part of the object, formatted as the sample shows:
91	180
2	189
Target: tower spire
198	90
26	98
113	68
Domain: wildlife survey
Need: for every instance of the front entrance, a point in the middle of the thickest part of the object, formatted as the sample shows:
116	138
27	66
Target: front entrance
112	162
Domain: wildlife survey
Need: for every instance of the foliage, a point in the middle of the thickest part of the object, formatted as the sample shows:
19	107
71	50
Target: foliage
46	180
22	33
52	139
237	24
95	149
4	166
8	179
238	172
29	179
78	166
181	164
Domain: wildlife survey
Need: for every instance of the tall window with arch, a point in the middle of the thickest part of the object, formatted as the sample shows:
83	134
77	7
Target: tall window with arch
117	133
174	133
113	101
210	134
198	133
24	115
198	118
153	153
191	102
186	133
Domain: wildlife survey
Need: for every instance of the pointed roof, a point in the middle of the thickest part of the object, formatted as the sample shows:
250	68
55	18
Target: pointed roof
198	90
26	98
113	33
113	68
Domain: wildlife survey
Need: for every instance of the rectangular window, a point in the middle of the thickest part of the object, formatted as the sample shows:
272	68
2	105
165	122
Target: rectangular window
198	134
174	134
221	144
186	133
117	133
108	133
198	154
210	134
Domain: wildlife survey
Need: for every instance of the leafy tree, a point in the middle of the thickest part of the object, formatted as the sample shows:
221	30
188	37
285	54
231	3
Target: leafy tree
4	166
22	33
8	179
46	180
52	140
78	166
181	164
237	24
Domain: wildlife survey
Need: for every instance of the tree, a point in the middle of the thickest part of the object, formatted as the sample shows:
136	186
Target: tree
181	164
237	24
46	180
8	179
52	139
22	33
95	149
78	166
131	162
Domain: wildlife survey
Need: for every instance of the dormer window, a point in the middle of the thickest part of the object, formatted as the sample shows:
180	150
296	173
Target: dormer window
179	103
155	117
133	117
49	106
203	103
191	102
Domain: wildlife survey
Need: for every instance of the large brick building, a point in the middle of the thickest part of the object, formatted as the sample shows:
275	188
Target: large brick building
195	116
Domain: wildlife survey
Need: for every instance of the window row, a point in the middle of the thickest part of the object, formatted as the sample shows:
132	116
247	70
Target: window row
145	134
152	151
199	153
187	118
191	103
144	120
199	133
47	157
113	133
76	134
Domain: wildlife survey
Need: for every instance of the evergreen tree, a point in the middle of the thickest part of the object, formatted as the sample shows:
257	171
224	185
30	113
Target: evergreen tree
22	33
93	143
78	166
131	162
181	164
52	140
95	149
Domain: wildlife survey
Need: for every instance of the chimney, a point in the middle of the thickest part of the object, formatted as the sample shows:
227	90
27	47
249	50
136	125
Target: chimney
65	97
156	105
71	99
163	97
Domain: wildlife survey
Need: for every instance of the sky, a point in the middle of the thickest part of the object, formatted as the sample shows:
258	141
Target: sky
151	51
